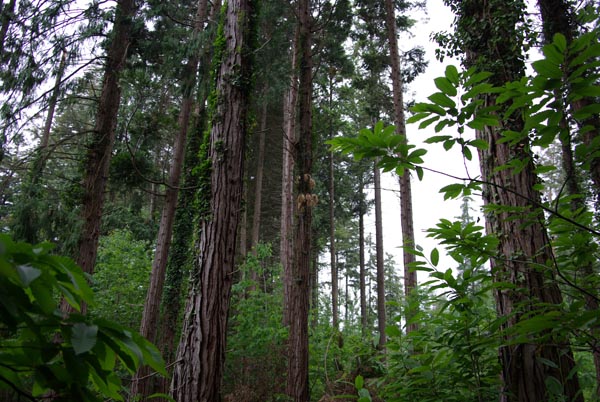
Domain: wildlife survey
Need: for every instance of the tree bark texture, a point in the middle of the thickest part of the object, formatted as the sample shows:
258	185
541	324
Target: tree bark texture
406	212
524	251
381	322
99	150
557	17
142	382
287	179
361	258
260	167
297	375
200	358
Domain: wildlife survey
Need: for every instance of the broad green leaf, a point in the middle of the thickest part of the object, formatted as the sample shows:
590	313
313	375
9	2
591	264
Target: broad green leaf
427	122
392	331
83	337
587	111
437	138
359	381
547	69
560	42
434	257
27	274
452	74
479	144
444	85
442	100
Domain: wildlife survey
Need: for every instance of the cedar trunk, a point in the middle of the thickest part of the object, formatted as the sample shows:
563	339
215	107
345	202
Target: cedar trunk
406	214
381	321
99	150
524	251
287	179
361	258
200	358
557	17
332	253
142	382
299	280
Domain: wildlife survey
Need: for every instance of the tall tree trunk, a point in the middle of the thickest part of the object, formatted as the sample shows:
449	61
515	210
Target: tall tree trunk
332	253
314	285
181	248
260	167
381	322
287	179
361	257
99	150
258	182
142	383
524	250
200	358
406	214
297	373
557	17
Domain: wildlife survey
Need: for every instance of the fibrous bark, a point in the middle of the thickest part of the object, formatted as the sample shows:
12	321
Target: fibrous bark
299	281
200	358
99	150
490	35
381	319
406	213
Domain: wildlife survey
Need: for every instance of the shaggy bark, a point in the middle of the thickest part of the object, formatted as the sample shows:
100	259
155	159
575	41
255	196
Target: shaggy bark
200	358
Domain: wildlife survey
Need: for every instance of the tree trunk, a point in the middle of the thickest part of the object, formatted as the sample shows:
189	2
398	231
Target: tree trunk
297	374
524	250
361	258
287	180
142	383
260	167
557	17
99	150
380	262
332	254
181	248
406	216
200	358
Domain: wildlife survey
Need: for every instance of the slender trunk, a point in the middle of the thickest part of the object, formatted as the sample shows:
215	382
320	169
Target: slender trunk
181	248
200	358
379	256
99	151
260	167
361	258
524	250
406	216
287	180
142	383
297	374
258	184
332	253
314	287
244	223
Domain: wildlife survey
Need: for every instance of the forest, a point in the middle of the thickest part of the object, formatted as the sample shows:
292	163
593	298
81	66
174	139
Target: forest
187	192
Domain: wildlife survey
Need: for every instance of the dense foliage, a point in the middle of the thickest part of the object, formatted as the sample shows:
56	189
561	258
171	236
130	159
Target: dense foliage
70	336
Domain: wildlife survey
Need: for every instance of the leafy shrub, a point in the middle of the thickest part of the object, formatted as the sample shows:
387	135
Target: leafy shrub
43	351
